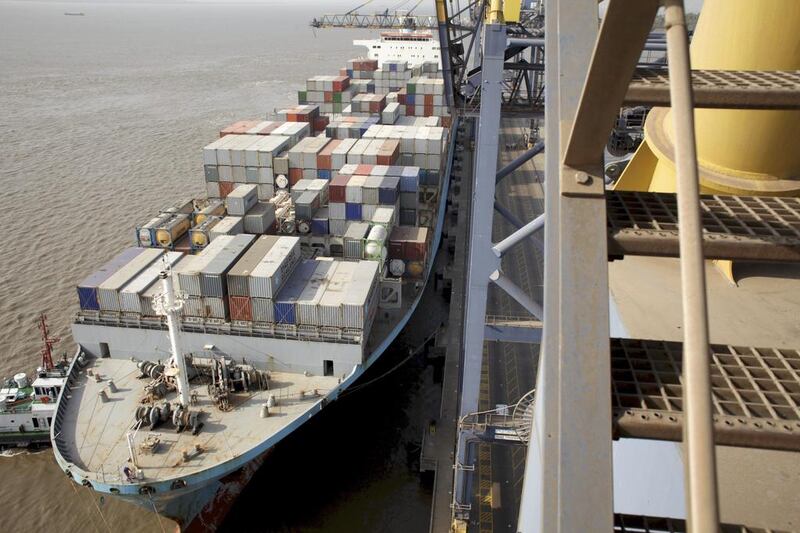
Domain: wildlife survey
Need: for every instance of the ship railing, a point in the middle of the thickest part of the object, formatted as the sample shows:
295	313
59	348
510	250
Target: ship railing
220	327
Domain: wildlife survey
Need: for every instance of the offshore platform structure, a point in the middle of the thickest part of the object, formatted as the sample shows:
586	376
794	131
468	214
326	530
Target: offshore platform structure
698	165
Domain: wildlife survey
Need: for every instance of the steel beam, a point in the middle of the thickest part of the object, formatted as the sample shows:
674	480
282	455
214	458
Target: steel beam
568	477
624	32
519	295
515	238
537	149
514	221
481	262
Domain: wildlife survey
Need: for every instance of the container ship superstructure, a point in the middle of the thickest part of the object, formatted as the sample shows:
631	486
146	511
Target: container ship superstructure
232	319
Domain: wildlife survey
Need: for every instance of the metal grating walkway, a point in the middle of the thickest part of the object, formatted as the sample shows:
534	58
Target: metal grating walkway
738	89
746	228
756	393
649	524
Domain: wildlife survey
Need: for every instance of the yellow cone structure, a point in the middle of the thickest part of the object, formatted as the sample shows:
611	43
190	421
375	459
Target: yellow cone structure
745	152
740	152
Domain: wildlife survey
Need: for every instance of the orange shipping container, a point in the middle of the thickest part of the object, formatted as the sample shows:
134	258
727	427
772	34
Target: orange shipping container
225	188
324	157
239	127
389	152
295	175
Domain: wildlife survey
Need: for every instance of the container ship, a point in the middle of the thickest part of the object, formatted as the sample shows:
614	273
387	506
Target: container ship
232	319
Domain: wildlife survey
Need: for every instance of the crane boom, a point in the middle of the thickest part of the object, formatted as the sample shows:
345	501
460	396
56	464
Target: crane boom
393	21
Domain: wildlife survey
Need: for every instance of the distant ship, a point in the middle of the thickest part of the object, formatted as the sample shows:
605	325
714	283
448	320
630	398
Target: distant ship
238	317
74	14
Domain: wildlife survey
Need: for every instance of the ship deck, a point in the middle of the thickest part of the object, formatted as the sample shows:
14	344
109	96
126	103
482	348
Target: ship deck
93	432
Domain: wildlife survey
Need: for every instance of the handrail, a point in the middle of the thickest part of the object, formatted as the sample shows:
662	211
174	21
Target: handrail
698	435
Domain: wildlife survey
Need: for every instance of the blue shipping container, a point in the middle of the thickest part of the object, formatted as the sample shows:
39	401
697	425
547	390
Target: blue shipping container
409	99
324	174
409	183
319	226
87	289
291	291
352	211
387	193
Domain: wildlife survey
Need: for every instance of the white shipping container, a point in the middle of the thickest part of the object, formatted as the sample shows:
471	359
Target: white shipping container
188	272
357	300
210	152
272	272
306	308
353	190
337	210
311	151
369	191
339	154
215	307
263	310
108	291
227	226
337	226
241	199
237	148
320	186
265	191
193	306
130	296
259	218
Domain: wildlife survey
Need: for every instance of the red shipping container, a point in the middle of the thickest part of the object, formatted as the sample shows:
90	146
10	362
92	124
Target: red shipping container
341	83
369	64
295	175
328	97
225	188
408	243
410	110
337	188
240	308
428	99
428	110
324	156
238	128
363	170
320	123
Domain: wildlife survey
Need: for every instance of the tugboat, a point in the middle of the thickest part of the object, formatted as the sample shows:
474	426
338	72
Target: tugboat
27	408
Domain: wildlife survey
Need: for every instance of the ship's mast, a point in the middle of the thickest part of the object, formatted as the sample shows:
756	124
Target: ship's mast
171	307
47	349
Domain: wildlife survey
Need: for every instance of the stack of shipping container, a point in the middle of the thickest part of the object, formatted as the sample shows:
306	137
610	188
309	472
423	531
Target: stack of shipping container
358	185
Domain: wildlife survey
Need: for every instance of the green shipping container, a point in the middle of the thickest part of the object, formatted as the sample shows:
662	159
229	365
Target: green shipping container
337	107
301	97
337	98
411	88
